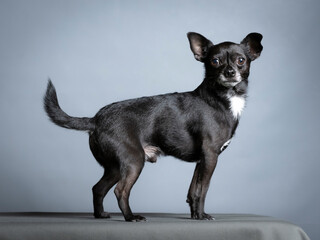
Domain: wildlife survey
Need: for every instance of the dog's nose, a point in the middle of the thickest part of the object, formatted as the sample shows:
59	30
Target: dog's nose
229	72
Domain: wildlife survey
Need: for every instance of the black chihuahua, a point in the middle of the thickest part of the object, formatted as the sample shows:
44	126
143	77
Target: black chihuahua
192	126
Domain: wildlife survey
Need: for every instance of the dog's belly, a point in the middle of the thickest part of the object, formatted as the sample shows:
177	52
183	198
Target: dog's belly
181	146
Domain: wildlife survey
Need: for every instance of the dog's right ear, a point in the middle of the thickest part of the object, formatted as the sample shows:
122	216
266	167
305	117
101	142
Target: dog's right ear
199	45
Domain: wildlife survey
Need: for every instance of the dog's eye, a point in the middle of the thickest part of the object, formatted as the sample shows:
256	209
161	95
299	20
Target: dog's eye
241	61
215	62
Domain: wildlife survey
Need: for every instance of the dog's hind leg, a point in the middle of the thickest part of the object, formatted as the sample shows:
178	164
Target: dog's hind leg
131	168
110	177
108	180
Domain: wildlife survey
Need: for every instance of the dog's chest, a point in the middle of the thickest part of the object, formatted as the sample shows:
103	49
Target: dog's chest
237	104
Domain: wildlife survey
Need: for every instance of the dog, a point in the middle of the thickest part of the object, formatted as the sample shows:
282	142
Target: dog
195	126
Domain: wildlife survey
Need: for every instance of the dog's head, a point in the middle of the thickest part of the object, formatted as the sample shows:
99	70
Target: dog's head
226	63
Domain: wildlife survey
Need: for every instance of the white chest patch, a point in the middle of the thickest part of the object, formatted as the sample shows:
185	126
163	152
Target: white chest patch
237	105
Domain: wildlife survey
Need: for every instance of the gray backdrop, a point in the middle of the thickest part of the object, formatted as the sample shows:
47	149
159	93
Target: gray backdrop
99	52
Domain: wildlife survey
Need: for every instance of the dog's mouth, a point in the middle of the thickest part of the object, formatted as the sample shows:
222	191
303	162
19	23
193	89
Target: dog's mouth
230	82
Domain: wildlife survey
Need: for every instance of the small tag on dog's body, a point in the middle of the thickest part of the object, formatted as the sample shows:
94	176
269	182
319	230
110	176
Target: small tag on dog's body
225	145
237	104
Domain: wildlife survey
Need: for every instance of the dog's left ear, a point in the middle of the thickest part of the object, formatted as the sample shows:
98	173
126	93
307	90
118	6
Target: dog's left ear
252	45
199	45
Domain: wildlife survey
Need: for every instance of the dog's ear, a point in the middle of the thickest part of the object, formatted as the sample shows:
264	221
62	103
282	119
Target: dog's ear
199	45
252	45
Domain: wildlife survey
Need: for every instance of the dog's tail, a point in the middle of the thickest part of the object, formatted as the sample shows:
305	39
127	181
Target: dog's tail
59	117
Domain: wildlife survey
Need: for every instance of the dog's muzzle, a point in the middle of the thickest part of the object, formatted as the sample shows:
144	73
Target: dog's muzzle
231	81
230	77
229	72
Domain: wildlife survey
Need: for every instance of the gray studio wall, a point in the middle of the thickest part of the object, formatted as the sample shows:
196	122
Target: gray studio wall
98	52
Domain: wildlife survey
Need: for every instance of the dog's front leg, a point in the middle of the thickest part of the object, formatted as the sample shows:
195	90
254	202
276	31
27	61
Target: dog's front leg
199	186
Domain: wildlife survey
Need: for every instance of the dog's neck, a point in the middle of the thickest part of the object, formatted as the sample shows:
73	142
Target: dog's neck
223	98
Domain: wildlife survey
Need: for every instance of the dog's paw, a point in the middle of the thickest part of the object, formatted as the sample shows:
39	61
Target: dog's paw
202	216
102	215
136	218
207	217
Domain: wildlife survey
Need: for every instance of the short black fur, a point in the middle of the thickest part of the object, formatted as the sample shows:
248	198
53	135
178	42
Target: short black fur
193	126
